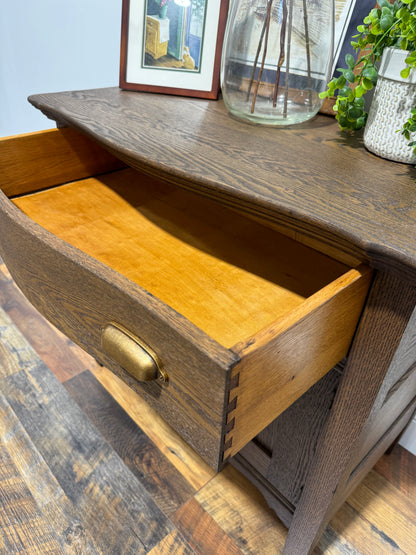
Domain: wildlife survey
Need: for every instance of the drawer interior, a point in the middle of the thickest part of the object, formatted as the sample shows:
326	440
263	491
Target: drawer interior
227	274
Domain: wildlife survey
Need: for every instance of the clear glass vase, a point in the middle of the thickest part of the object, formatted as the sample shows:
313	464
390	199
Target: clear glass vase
276	59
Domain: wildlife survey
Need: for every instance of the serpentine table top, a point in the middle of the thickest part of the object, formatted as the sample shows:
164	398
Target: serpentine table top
311	181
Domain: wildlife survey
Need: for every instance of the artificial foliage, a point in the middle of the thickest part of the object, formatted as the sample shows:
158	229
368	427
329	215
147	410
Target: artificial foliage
388	25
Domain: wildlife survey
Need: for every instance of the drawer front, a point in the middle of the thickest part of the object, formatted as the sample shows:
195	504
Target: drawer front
261	349
207	392
82	297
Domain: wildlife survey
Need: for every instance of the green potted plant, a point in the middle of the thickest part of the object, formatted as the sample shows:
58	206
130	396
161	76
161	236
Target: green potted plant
388	33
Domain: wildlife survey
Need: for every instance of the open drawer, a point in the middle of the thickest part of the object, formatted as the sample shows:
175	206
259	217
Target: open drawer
218	321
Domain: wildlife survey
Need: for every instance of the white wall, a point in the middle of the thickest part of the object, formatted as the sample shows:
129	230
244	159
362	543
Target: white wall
408	439
57	45
54	45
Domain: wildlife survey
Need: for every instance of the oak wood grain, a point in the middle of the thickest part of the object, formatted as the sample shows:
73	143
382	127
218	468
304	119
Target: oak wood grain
376	228
42	159
295	434
318	184
350	533
397	392
85	295
359	468
210	264
389	308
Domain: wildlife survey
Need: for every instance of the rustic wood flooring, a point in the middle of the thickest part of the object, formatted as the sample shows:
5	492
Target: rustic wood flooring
86	467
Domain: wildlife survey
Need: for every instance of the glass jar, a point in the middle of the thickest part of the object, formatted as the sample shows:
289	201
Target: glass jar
276	59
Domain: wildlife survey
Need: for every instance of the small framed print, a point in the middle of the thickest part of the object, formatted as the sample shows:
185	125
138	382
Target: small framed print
172	46
348	15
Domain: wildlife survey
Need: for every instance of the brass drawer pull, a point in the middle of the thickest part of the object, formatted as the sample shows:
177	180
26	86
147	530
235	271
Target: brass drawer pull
131	354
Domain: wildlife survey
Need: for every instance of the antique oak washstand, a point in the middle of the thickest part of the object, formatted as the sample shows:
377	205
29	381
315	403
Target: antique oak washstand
235	276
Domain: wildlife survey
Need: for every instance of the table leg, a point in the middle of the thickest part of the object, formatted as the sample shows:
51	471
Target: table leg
388	309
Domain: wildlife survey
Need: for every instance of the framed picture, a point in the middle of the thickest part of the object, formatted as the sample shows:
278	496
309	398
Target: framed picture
348	15
172	46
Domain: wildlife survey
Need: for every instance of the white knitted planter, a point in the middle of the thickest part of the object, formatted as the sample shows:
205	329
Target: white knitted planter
393	99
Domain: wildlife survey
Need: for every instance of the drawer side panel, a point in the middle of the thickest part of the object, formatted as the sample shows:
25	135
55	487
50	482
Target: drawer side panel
47	158
280	364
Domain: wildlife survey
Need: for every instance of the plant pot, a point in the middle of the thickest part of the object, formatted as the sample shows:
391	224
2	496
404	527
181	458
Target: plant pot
163	11
394	97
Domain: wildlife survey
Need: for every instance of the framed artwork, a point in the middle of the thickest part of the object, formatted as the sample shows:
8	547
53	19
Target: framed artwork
348	15
172	46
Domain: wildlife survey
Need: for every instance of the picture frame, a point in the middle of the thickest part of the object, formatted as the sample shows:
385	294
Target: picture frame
348	15
172	46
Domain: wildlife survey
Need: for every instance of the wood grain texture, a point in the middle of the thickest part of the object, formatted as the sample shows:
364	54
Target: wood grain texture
364	502
40	333
397	392
173	447
321	225
320	185
161	480
399	470
380	331
224	277
46	158
279	365
85	295
22	526
114	505
277	461
54	508
202	532
233	511
243	514
172	544
349	533
214	267
295	434
359	468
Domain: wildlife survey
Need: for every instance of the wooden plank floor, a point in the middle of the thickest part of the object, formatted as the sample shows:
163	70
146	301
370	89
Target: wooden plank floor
87	467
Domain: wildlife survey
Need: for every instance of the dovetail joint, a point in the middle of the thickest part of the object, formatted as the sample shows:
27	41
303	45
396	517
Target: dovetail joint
228	444
232	405
234	381
230	424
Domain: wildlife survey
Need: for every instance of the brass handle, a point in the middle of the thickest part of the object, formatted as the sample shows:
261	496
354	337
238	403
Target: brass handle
131	353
